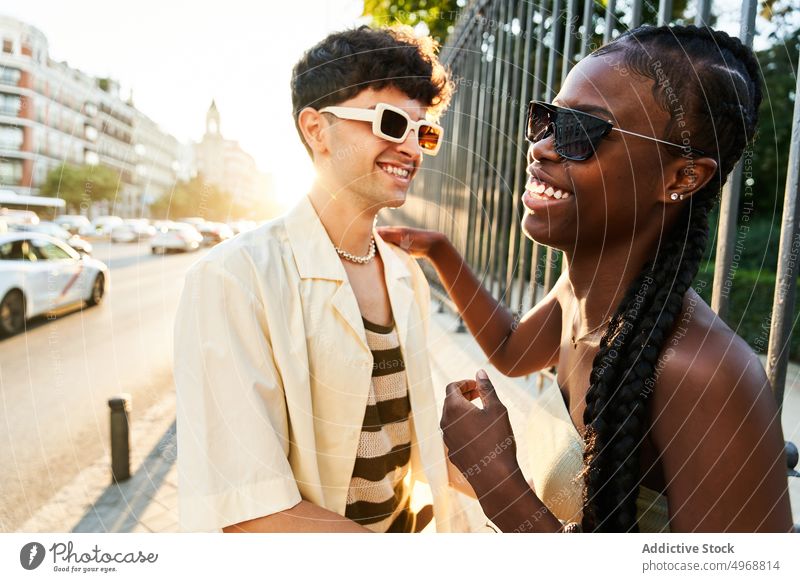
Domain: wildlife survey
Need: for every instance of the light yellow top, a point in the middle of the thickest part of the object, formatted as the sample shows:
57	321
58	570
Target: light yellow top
556	460
273	372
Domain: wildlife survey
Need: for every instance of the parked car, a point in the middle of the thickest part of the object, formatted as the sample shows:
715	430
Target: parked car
214	233
18	216
132	230
39	274
241	226
195	221
75	223
52	229
176	237
103	225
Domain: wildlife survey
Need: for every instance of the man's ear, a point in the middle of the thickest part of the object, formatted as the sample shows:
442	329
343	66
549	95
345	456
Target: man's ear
687	176
313	126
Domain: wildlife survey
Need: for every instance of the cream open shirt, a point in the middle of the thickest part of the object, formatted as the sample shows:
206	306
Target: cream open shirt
272	371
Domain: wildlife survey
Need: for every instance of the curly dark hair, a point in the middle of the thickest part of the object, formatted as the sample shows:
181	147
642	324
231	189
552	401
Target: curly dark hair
348	62
716	79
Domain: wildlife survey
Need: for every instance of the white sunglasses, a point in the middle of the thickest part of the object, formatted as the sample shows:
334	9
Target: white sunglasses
393	124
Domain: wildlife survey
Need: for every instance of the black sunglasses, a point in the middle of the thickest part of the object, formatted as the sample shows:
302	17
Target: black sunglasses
577	134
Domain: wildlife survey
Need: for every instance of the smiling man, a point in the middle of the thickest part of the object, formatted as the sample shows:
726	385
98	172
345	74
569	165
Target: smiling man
304	394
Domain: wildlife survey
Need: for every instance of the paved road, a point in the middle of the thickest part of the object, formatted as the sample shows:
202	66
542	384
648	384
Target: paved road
56	378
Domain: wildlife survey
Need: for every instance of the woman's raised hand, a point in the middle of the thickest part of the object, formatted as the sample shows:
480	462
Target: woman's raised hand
415	241
480	442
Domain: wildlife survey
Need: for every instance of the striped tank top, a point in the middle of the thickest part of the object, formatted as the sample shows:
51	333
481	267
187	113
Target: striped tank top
378	495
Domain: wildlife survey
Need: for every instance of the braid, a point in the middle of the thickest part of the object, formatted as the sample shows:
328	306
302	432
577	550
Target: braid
723	98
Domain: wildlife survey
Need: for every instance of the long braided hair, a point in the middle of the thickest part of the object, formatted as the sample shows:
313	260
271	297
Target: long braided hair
716	80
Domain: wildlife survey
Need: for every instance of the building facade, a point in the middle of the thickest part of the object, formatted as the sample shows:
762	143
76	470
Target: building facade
225	164
51	113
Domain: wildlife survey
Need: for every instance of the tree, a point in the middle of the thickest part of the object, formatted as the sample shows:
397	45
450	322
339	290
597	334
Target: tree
782	16
439	16
771	149
197	197
80	186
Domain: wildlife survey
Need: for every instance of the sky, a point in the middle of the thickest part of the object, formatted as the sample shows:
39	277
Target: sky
177	56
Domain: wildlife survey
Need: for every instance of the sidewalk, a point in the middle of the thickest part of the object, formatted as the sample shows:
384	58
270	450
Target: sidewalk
147	502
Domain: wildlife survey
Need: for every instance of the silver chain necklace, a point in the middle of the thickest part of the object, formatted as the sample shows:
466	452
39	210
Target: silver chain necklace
363	260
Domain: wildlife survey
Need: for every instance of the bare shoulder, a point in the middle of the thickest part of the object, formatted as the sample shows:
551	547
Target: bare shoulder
716	426
705	361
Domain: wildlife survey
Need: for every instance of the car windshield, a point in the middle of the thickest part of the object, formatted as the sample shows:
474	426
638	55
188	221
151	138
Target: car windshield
52	251
53	230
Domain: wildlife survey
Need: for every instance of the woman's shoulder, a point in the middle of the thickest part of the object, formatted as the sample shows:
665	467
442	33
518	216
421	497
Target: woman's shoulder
705	366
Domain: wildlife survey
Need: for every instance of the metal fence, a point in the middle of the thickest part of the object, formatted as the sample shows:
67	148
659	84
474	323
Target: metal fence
504	53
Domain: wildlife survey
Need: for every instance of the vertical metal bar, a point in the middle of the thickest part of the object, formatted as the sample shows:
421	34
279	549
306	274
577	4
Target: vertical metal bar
447	177
511	89
747	25
729	206
586	37
457	172
480	169
516	238
529	249
611	6
487	251
555	37
540	47
570	32
636	13
472	113
664	12
703	13
780	333
555	40
494	160
500	240
549	91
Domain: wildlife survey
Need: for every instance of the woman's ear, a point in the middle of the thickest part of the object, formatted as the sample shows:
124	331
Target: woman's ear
313	125
687	177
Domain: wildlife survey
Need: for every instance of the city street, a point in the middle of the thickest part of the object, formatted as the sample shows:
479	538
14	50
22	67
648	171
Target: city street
56	378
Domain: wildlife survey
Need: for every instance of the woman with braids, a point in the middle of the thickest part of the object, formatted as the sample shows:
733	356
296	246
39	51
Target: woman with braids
662	418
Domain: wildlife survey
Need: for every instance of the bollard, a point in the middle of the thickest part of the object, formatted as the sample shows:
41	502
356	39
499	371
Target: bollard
120	446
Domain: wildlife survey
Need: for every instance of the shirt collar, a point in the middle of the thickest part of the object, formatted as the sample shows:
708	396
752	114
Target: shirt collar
315	255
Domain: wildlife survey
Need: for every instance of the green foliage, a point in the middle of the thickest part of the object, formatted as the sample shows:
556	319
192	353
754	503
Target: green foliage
771	149
81	185
782	15
753	285
196	197
438	15
750	308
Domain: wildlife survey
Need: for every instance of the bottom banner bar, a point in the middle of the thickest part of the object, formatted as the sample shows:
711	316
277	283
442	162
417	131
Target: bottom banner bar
396	557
